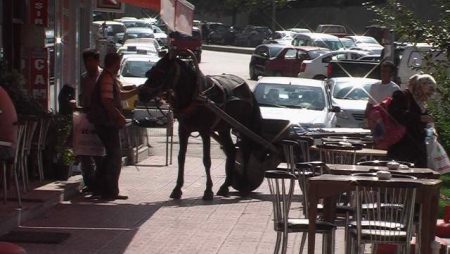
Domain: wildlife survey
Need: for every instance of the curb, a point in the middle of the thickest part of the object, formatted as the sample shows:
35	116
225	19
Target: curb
229	49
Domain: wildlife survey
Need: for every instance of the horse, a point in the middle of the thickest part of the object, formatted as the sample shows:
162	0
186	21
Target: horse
188	90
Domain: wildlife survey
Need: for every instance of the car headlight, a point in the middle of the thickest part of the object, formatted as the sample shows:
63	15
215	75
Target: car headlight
342	114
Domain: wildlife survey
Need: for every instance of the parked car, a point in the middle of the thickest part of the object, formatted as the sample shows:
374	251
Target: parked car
348	43
132	72
106	29
367	43
280	37
304	102
160	35
351	95
138	32
336	30
372	58
252	36
318	40
317	68
300	30
280	60
208	27
222	34
131	46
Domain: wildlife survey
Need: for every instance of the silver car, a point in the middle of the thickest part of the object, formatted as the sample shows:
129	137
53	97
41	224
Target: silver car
351	95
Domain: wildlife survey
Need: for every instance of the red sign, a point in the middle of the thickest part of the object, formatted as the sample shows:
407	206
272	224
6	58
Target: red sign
38	78
39	12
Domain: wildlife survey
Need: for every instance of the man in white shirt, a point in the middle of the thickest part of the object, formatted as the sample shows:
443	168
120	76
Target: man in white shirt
381	90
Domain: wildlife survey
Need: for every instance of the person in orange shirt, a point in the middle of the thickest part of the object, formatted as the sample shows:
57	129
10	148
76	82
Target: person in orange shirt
8	127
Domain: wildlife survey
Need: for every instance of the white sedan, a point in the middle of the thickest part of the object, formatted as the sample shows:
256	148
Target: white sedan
304	102
367	43
351	95
132	72
318	67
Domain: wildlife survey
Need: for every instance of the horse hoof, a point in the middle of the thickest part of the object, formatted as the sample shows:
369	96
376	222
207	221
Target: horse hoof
176	194
223	191
208	195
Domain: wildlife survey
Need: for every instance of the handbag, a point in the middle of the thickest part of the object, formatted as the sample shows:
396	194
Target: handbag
437	157
97	113
85	138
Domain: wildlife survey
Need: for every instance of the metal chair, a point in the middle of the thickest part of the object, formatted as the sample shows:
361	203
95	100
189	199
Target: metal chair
30	124
337	153
15	167
384	214
43	124
281	186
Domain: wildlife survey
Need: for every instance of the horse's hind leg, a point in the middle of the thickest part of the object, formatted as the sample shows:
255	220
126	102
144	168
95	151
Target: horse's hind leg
206	139
183	137
230	152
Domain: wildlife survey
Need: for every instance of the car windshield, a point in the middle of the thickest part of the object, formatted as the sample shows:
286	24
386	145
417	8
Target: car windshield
348	43
136	69
290	96
333	45
352	90
140	35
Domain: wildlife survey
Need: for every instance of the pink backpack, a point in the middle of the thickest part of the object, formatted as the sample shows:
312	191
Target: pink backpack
385	130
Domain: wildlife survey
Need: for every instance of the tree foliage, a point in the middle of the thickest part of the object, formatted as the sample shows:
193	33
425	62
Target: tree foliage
406	23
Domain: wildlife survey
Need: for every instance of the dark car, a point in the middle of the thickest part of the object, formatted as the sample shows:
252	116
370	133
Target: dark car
252	36
281	60
208	27
222	34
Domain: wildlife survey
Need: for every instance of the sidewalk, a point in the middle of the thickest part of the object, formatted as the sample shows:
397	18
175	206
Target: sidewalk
150	222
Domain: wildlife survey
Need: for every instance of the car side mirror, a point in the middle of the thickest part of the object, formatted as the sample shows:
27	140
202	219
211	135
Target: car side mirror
335	109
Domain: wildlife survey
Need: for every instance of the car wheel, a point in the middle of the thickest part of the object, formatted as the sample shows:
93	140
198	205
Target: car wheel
253	75
320	77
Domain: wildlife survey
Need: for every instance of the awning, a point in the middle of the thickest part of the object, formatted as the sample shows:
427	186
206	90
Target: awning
150	4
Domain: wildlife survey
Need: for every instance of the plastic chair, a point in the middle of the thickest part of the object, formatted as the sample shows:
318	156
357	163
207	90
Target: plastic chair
281	186
389	219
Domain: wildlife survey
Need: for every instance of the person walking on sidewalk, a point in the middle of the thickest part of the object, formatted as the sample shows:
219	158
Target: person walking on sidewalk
105	112
89	164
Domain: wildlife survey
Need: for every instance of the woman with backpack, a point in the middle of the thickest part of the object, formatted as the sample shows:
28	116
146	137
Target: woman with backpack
409	108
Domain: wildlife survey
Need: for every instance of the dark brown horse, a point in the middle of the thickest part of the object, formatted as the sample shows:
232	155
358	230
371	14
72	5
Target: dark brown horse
187	90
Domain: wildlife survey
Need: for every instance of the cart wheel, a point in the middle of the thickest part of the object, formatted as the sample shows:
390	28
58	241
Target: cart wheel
258	163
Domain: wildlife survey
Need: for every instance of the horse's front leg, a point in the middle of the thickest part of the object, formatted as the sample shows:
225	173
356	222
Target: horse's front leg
230	153
206	139
183	136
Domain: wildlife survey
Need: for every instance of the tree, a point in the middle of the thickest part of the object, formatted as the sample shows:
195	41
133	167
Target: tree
406	23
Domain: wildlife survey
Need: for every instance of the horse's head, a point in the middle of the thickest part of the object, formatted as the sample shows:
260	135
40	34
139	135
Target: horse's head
164	75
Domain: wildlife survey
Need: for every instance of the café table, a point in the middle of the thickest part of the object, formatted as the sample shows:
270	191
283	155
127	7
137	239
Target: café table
344	169
328	187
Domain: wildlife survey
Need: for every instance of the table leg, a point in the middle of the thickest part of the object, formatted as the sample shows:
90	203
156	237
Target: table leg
312	220
428	217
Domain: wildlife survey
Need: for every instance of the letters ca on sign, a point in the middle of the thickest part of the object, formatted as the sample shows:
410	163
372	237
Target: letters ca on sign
39	12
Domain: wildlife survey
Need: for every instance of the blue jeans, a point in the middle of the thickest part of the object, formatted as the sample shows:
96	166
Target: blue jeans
109	170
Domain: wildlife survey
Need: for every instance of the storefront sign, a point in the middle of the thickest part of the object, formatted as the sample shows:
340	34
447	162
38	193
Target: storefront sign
38	75
39	12
178	15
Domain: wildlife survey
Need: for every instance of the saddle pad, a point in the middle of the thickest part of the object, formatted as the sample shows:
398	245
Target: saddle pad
228	83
